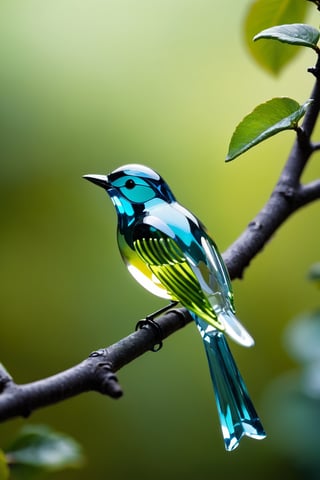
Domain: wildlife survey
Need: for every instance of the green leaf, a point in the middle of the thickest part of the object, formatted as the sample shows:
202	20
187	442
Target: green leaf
4	469
293	34
40	447
263	122
263	14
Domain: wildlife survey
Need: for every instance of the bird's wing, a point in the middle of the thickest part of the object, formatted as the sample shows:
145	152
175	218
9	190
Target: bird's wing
202	254
188	252
168	263
219	276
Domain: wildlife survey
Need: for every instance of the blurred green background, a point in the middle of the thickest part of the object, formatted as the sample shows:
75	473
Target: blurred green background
85	87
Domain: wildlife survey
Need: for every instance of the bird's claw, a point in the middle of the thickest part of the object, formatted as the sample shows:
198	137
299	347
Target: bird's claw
148	322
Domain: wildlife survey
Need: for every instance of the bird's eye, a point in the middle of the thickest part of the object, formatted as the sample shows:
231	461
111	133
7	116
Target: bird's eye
130	184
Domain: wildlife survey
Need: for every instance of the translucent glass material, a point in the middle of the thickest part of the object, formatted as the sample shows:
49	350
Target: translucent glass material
170	253
237	414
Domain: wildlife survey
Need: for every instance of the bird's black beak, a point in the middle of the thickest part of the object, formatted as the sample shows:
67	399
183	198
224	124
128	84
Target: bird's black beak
101	180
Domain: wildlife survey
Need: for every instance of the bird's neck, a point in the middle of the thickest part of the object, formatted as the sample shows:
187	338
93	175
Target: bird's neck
127	212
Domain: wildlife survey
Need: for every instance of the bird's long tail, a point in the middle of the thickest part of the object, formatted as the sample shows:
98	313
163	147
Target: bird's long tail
237	414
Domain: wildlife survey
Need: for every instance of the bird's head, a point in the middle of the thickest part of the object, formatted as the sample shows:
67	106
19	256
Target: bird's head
133	184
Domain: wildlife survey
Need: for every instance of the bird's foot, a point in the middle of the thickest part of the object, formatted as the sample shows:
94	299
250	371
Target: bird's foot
149	322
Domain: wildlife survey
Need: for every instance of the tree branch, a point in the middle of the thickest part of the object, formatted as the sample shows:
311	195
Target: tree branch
97	372
283	202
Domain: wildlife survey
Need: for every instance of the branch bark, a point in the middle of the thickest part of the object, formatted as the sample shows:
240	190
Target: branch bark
97	372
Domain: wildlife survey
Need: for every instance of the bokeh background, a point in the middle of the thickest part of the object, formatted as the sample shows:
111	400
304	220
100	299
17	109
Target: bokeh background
85	87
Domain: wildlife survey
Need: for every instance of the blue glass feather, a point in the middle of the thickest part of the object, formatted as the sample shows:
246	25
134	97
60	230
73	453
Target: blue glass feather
170	253
237	414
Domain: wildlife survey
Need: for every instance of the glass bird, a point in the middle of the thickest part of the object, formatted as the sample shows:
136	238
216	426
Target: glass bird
170	253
